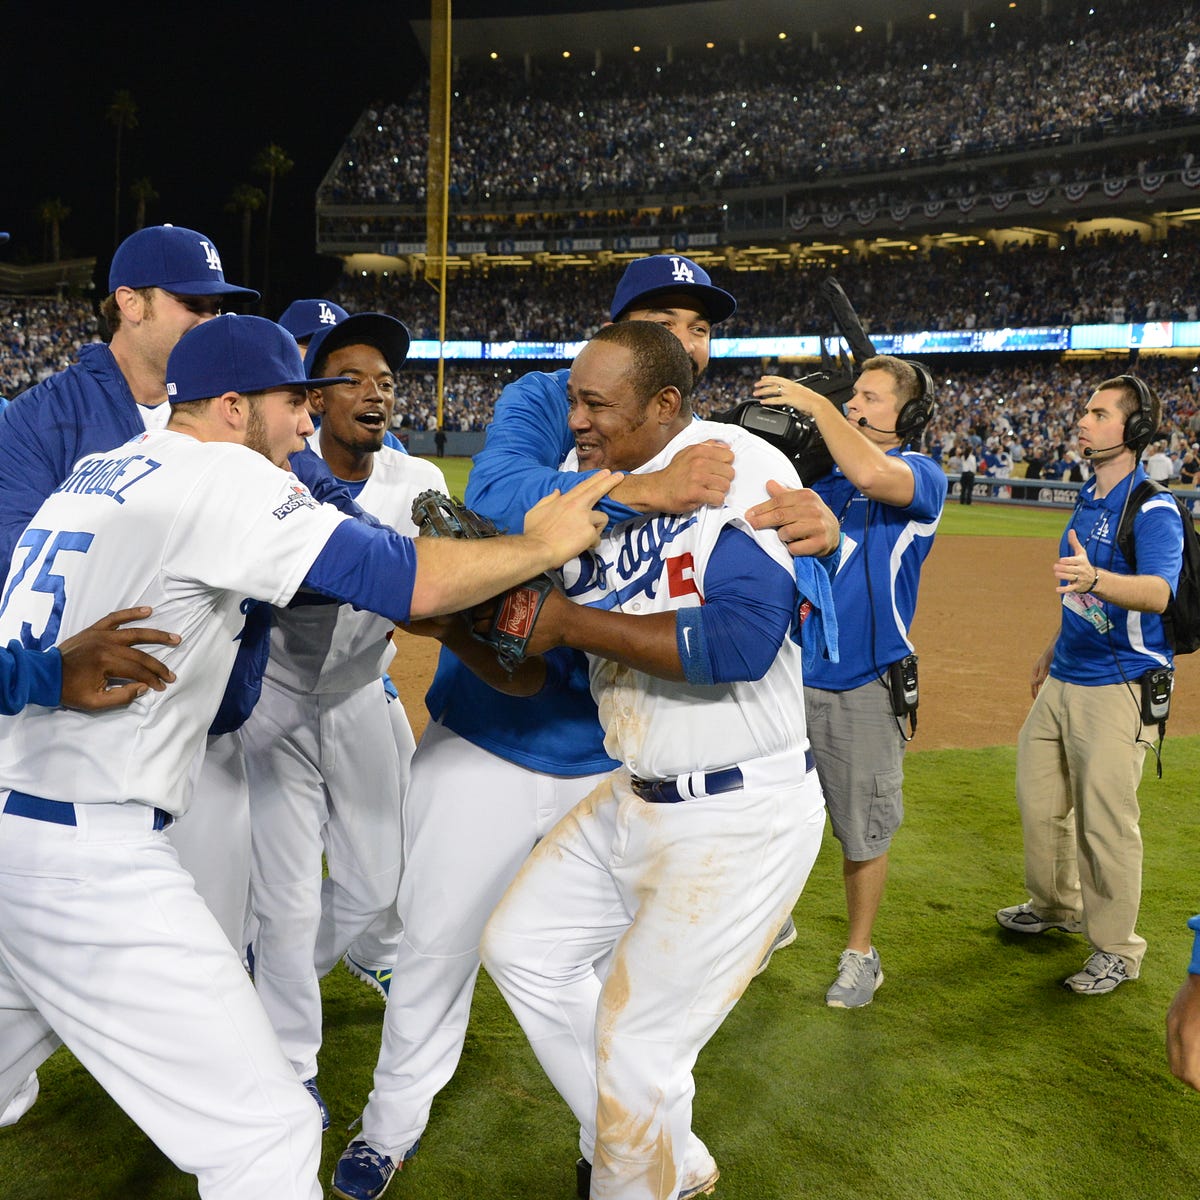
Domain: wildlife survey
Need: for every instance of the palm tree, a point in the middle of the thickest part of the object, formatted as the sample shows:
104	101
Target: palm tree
122	113
246	199
52	213
274	163
143	193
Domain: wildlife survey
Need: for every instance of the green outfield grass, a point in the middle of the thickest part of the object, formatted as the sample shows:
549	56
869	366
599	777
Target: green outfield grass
974	1074
1002	520
456	471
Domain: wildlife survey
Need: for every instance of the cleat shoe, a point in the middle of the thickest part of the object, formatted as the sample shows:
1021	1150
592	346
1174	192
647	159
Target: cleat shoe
859	975
1103	972
380	980
785	937
699	1179
310	1086
1022	918
362	1173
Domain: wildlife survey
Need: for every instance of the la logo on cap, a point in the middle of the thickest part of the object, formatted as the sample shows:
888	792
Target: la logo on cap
681	272
211	258
327	316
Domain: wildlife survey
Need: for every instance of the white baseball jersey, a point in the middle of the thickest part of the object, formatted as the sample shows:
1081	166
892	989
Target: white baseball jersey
311	795
189	528
334	647
656	727
684	896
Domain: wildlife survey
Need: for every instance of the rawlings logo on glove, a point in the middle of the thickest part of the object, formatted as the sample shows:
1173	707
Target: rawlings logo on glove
437	515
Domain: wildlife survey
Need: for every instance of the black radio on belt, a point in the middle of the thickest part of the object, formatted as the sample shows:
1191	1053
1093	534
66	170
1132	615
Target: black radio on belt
1156	695
902	683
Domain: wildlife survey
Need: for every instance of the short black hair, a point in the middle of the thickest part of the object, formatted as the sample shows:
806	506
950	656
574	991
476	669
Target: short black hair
659	359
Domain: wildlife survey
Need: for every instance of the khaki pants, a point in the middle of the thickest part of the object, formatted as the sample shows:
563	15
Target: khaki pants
1079	763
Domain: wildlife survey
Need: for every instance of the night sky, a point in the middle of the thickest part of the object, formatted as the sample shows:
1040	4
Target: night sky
214	84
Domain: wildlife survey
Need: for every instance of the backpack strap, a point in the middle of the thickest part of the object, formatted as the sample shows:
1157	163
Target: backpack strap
1139	496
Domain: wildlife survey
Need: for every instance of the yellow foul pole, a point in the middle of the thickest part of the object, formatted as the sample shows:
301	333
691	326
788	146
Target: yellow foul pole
437	181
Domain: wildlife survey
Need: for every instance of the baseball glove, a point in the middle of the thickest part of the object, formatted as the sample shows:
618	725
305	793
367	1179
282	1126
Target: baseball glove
516	611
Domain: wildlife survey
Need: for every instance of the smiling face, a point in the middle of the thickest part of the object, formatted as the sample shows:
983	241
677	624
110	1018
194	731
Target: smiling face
355	416
615	425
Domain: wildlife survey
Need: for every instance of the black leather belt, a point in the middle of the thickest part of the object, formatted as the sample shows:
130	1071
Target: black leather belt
666	791
59	812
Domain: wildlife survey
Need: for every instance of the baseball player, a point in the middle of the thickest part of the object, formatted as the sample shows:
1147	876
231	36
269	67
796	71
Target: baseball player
308	794
683	862
95	670
304	318
494	773
164	280
371	956
159	1008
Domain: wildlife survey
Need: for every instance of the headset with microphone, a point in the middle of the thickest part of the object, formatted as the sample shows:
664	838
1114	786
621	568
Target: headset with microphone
916	413
1140	428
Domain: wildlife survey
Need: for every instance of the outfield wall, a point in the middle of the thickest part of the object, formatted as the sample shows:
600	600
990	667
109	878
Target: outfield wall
1042	493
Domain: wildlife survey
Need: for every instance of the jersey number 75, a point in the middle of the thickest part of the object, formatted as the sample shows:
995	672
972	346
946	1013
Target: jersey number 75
41	546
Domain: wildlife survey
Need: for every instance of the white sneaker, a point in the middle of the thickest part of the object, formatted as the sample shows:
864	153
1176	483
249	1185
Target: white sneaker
859	975
1103	972
1021	918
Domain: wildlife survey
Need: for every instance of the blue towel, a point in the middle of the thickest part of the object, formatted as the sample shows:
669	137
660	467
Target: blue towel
816	627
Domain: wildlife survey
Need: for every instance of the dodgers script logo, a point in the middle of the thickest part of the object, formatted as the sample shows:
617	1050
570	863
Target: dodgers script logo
326	315
300	498
212	259
636	568
680	271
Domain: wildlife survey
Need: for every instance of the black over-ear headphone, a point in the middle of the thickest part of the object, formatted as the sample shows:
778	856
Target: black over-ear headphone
918	412
1140	427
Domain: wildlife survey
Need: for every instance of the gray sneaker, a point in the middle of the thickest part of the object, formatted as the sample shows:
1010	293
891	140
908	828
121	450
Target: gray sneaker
1022	918
1103	972
858	977
785	937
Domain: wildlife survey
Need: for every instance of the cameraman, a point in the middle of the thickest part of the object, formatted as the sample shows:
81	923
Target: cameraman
888	501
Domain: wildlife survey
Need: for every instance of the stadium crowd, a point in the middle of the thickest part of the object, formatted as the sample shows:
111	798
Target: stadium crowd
1030	401
788	113
1099	279
39	336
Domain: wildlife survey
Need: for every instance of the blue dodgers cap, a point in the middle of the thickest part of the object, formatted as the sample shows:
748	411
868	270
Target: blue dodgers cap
389	336
236	354
3	238
172	258
662	273
303	318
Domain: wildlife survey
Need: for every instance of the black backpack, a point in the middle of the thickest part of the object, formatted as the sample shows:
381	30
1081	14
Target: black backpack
1181	621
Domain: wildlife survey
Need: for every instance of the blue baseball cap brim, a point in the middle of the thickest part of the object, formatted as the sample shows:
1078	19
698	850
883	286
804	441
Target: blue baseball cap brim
660	274
174	259
232	353
389	336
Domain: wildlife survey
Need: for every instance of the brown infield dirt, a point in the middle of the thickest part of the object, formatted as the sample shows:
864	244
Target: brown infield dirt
986	610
